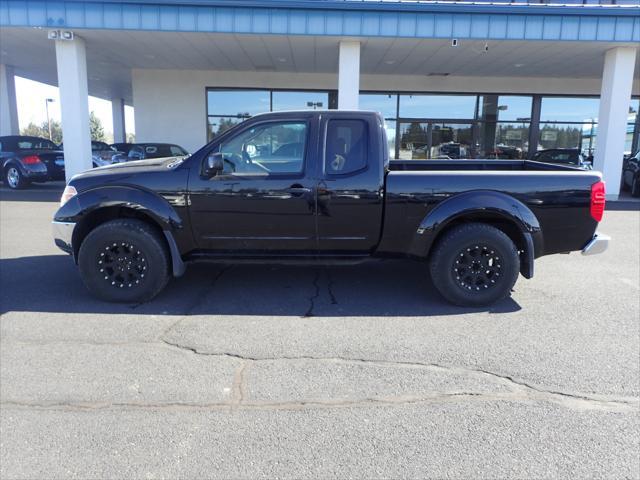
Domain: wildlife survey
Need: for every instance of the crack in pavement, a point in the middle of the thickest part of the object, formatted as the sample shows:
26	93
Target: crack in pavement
314	297
518	390
199	299
531	392
334	300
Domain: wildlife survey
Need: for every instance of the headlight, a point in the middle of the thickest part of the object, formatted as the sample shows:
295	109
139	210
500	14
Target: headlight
68	194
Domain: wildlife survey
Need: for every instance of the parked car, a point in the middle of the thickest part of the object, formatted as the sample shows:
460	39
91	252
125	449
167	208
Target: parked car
563	156
123	148
29	159
102	154
145	151
318	187
631	174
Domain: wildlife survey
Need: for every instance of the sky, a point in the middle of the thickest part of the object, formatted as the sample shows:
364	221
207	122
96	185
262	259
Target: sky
31	96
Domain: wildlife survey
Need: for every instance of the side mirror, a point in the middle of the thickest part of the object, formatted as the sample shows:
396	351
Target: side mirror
214	164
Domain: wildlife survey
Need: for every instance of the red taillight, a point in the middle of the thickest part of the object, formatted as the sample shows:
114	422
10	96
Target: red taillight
597	201
31	160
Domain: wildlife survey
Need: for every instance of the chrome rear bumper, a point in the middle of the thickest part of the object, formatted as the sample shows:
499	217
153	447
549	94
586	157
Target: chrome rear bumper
62	235
598	244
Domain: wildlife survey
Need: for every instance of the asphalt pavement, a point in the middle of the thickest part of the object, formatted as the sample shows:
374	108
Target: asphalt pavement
327	372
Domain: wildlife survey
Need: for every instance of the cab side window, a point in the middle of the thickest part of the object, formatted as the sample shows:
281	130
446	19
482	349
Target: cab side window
270	148
346	148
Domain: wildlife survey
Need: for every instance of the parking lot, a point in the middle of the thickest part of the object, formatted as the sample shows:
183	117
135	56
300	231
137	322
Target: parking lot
299	372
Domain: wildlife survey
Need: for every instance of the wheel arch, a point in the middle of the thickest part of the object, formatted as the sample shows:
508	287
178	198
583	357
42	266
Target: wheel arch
497	209
95	207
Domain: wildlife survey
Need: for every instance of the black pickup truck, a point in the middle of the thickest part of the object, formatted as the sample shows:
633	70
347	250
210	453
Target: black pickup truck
318	186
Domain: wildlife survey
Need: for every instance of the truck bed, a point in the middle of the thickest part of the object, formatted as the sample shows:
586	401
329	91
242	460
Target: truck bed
557	195
477	164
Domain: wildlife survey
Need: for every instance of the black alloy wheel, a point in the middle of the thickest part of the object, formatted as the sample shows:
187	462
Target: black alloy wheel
124	260
474	264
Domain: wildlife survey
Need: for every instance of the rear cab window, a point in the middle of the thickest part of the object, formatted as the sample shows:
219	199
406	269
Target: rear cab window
346	146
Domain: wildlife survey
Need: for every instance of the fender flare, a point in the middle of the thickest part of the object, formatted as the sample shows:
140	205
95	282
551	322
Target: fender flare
478	202
150	204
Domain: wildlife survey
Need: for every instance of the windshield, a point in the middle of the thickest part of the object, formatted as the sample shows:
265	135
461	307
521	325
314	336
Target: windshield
159	151
101	146
29	143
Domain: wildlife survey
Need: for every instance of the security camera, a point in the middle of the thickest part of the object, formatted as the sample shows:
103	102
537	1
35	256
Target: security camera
454	42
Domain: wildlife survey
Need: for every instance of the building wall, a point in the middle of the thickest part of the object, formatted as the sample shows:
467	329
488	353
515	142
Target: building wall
170	105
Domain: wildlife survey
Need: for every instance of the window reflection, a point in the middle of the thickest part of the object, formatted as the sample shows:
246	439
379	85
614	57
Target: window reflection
558	135
438	106
505	107
300	100
569	109
504	140
386	104
435	140
241	103
219	125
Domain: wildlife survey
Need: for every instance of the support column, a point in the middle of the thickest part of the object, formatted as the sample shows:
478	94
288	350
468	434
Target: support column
117	112
615	97
8	105
71	60
349	75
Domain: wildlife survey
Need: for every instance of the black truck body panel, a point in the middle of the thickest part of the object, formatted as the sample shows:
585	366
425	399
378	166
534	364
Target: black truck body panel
385	209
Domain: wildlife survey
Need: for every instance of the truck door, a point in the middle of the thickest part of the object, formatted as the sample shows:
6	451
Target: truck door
350	187
263	200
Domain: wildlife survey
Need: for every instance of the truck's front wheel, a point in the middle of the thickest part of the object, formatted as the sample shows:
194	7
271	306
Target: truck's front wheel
124	261
474	265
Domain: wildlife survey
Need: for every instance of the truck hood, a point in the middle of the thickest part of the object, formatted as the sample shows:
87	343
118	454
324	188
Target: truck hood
130	168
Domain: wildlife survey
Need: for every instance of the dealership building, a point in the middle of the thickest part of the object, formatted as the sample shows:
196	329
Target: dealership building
452	79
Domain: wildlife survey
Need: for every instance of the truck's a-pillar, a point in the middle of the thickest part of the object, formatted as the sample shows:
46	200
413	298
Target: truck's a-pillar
349	75
71	59
117	113
615	97
8	105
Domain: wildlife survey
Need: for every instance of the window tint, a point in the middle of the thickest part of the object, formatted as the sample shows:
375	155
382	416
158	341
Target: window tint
346	150
269	148
26	143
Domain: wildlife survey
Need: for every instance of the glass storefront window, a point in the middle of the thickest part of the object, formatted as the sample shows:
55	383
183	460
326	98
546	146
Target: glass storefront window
385	104
241	103
503	140
438	106
569	109
413	141
558	135
300	100
435	140
504	107
218	125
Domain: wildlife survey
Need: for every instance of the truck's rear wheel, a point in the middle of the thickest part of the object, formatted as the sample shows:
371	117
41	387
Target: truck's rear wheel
475	265
124	261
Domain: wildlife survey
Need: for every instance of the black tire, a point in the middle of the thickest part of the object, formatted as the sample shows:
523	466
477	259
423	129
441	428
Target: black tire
13	177
474	265
635	186
124	261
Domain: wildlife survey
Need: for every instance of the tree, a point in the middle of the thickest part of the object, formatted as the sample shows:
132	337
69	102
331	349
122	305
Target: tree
95	125
43	131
